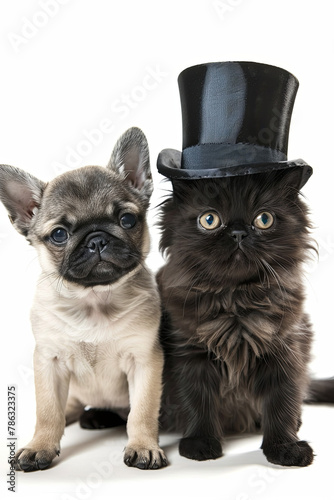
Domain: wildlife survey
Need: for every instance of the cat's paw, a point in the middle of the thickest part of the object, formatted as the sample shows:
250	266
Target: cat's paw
30	459
144	458
298	454
200	448
95	418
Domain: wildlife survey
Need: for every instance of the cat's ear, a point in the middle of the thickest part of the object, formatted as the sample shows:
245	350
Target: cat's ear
180	187
21	193
131	157
293	178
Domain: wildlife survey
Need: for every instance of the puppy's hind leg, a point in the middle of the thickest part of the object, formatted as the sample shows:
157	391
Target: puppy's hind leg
96	418
74	410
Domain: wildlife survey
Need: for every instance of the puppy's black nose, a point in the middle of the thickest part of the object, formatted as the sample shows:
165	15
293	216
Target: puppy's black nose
238	235
97	242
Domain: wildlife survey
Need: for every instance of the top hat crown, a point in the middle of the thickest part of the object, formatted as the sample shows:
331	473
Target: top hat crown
236	120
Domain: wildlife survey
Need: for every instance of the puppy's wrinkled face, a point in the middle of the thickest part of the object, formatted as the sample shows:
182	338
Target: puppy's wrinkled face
88	225
90	228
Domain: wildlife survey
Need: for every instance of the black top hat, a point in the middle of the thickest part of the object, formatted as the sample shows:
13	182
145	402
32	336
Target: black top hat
236	118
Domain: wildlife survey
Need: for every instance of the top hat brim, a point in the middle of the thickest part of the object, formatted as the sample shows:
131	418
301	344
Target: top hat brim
169	164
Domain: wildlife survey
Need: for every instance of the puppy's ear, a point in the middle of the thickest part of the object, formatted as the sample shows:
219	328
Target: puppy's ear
131	157
21	193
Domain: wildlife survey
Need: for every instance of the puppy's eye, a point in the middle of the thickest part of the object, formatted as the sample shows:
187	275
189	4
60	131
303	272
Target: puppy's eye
264	220
210	220
59	236
127	221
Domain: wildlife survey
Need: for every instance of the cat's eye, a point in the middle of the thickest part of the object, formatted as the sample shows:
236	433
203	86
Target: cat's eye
264	220
127	221
210	220
59	236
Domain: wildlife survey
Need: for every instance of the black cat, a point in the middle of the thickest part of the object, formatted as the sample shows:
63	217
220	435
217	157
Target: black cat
236	337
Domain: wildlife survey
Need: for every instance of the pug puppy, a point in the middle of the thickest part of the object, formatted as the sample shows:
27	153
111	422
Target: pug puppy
96	311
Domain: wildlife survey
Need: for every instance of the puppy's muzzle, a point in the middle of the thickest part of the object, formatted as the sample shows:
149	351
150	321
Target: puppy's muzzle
100	258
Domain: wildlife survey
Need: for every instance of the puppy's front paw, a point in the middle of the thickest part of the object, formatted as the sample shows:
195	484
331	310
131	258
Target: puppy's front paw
29	459
200	448
297	453
144	458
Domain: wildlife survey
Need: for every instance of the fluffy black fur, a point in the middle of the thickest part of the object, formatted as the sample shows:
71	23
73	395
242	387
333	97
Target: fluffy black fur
235	335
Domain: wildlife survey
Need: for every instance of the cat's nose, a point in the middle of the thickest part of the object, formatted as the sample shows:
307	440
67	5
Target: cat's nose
238	235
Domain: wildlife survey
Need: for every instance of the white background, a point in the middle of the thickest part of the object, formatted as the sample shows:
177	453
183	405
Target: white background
71	67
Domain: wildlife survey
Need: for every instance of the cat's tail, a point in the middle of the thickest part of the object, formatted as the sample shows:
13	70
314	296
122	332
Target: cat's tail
320	391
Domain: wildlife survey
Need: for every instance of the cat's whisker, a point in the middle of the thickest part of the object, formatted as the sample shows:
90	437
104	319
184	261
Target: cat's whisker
273	273
260	266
